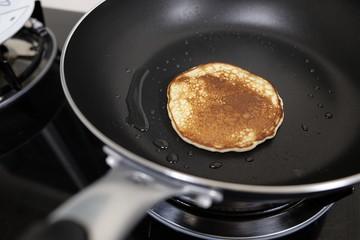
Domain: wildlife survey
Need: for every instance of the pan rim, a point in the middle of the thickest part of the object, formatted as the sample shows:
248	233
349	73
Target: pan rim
188	178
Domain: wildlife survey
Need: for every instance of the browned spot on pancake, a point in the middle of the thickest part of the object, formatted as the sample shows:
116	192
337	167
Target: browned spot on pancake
220	107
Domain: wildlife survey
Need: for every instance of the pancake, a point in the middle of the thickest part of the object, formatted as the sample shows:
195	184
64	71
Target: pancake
220	107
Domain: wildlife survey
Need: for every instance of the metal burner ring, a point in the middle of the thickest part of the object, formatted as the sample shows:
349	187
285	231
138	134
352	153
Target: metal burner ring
269	226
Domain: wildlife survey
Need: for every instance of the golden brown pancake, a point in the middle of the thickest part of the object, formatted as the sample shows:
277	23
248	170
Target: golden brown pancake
220	107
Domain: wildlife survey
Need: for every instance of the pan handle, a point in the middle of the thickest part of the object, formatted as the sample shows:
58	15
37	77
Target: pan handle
111	207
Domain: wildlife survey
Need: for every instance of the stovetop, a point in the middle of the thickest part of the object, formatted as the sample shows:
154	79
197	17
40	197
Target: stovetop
32	189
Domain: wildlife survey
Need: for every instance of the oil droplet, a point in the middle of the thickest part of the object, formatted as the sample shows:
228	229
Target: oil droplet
128	70
307	60
186	53
312	70
215	165
161	90
249	159
137	136
172	158
304	127
310	95
186	42
161	143
190	153
330	91
167	61
328	115
317	88
164	69
320	105
152	112
157	68
177	65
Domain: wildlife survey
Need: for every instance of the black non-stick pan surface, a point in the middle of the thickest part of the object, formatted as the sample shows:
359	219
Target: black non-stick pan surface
309	50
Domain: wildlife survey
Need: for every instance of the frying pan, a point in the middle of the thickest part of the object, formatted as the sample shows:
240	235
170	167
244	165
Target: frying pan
120	58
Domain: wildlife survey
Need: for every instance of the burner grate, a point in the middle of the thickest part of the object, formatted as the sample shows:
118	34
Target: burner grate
19	57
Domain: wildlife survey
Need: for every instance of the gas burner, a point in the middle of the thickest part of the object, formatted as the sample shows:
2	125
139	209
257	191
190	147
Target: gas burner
20	56
30	89
268	224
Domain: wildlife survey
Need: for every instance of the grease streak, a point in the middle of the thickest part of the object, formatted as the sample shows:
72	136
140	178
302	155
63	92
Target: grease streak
137	117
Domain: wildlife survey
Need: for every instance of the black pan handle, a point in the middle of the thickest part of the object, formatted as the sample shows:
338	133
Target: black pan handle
60	230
